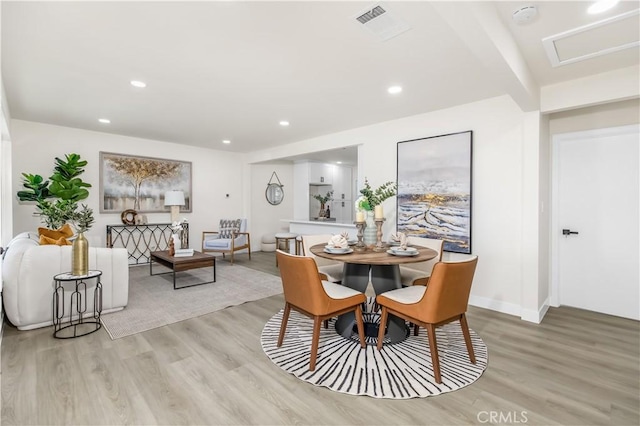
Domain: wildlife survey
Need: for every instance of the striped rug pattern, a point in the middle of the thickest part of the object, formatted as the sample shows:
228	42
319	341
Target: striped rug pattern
400	371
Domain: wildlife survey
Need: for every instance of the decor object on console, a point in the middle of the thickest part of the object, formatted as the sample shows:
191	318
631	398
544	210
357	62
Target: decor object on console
232	236
370	202
175	200
129	217
134	182
27	271
434	197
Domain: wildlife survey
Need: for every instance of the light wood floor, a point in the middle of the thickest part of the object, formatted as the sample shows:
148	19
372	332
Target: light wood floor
576	368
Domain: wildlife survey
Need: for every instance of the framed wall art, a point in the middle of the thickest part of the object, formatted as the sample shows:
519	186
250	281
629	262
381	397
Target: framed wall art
434	189
139	183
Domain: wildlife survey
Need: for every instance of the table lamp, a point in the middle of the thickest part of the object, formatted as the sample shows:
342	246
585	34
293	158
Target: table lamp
175	199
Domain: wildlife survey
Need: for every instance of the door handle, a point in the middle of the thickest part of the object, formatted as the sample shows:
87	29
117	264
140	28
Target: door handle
568	232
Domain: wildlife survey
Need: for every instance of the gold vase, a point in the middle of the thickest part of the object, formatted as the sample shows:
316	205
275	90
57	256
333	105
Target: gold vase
80	256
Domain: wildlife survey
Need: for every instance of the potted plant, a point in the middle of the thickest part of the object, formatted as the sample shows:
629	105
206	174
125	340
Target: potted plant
64	186
367	202
323	200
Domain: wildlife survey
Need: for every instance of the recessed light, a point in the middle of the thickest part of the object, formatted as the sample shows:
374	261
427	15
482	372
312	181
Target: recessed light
338	162
138	83
284	123
226	141
601	6
104	120
394	89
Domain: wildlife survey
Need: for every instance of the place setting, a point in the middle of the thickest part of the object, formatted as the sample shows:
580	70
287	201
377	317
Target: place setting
338	244
398	246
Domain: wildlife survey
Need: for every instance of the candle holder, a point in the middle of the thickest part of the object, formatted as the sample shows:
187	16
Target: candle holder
379	246
360	245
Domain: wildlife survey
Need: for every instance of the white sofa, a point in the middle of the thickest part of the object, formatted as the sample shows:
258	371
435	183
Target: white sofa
28	270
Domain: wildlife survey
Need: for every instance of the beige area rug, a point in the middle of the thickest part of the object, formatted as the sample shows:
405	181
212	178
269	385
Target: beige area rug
154	303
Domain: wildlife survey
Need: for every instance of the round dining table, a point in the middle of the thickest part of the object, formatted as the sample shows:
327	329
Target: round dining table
383	270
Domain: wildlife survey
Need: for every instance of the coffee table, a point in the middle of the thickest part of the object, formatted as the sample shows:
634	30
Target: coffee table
178	264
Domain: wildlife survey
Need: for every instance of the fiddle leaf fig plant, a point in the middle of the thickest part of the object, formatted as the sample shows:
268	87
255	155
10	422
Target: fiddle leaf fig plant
66	188
65	183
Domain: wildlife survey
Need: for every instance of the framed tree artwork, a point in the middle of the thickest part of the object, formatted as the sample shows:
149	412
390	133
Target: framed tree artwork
434	189
139	183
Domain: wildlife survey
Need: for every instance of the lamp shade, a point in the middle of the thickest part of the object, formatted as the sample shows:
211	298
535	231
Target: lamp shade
174	198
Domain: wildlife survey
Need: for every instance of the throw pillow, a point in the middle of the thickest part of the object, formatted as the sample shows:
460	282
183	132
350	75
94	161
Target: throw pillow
227	227
55	234
62	241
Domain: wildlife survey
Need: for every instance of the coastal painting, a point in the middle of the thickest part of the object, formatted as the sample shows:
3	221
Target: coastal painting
434	189
139	183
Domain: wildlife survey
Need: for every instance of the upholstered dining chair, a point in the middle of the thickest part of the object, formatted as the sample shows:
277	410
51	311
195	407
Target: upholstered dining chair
231	236
330	270
306	293
444	299
418	273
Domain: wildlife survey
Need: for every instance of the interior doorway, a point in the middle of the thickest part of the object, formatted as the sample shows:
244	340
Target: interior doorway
596	211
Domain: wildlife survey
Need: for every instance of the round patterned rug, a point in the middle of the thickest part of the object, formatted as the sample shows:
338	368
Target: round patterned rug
402	370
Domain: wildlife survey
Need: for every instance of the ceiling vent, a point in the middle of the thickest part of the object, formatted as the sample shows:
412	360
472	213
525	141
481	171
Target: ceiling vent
596	39
381	22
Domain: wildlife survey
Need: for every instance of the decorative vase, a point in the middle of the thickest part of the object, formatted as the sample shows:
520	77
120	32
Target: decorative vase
322	212
177	241
370	230
80	255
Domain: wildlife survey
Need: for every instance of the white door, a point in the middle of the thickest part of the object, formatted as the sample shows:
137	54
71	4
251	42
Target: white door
597	200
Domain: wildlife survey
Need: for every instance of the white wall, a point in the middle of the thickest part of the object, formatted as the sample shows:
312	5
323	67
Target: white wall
498	179
214	174
614	114
267	218
613	86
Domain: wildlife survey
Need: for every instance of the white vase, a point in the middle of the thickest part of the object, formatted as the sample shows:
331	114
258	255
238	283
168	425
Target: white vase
177	243
370	231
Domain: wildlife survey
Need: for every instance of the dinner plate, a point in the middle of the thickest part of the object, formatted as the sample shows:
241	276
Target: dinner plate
403	253
338	251
406	250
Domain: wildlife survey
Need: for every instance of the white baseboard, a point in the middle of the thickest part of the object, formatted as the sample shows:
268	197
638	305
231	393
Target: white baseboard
495	305
535	316
529	315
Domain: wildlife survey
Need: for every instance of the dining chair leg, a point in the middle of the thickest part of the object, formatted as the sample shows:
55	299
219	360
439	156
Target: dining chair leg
431	333
283	325
416	329
360	323
326	324
383	323
314	342
467	338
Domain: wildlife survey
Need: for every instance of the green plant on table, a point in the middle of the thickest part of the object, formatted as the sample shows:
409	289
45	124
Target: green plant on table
371	198
324	199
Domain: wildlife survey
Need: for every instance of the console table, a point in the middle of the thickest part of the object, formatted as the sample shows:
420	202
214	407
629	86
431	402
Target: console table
141	240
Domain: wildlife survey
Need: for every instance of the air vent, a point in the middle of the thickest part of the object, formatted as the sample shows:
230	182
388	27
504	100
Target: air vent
381	22
370	14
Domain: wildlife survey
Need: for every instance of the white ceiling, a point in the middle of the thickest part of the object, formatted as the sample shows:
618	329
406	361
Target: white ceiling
233	70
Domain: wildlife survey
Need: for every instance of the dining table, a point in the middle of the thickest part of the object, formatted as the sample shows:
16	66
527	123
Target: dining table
382	269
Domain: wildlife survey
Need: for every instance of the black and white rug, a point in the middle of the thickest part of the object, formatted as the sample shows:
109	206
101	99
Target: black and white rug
402	370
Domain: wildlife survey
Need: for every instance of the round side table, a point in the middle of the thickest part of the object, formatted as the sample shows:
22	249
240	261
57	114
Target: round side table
77	324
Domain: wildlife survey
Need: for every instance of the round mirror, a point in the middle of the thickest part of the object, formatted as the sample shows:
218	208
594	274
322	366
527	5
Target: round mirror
274	193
